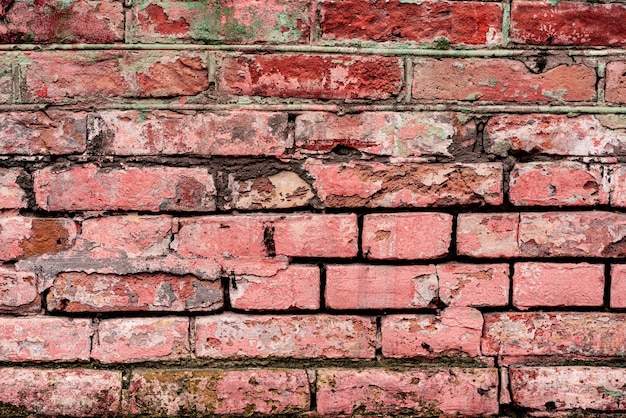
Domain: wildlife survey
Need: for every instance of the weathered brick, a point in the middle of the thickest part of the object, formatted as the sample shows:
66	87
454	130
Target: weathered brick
427	392
312	76
488	235
38	338
302	235
96	75
75	21
285	189
12	195
618	286
568	23
500	79
61	392
562	183
543	333
295	336
281	21
193	391
406	236
616	80
18	292
380	287
6	80
23	237
371	184
476	285
127	340
583	135
236	133
558	284
130	188
617	183
397	134
428	21
81	292
571	388
52	132
297	287
456	331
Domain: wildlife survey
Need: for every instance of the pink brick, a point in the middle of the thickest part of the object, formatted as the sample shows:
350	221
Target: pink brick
81	292
616	81
572	234
456	331
61	392
564	183
367	184
6	82
234	133
618	286
617	181
285	189
297	287
228	21
565	334
558	284
18	292
477	285
12	196
302	235
406	236
77	21
553	134
571	388
52	132
380	287
312	76
127	340
195	391
23	237
38	338
487	235
427	392
295	336
397	134
132	188
568	23
500	79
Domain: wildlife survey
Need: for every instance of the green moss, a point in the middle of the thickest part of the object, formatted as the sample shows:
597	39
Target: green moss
442	43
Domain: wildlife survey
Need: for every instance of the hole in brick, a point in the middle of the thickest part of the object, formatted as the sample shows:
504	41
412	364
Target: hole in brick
550	406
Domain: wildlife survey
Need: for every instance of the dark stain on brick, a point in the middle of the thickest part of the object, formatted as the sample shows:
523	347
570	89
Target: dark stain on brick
48	236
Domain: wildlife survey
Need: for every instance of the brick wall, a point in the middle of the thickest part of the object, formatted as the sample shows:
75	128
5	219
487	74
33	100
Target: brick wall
312	208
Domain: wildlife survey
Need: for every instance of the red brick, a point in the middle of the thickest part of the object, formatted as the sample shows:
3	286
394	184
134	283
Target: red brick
297	287
426	392
553	134
396	20
23	237
38	338
616	80
567	23
18	292
556	284
617	183
406	236
12	196
380	287
372	184
312	76
228	21
52	132
618	286
52	77
295	336
397	134
130	188
285	189
76	21
61	392
127	340
301	235
543	333
236	133
80	292
501	80
456	331
205	392
477	285
572	234
488	235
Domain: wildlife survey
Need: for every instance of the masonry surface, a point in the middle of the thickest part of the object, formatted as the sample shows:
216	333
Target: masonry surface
312	208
